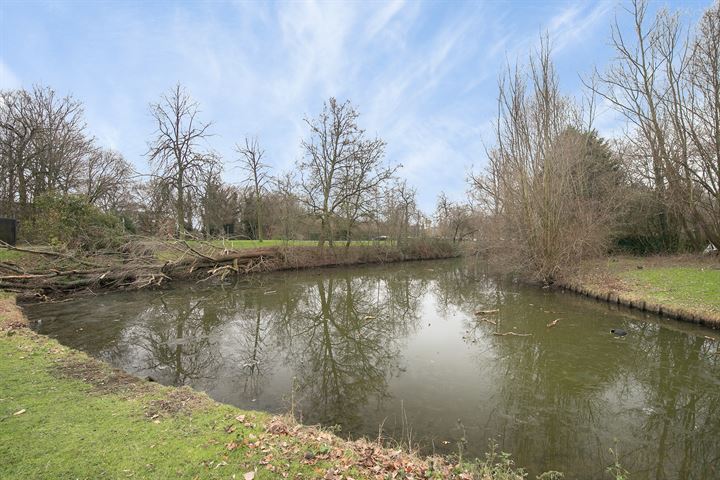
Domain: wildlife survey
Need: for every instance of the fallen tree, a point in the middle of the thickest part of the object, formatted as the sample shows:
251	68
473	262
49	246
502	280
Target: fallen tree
47	273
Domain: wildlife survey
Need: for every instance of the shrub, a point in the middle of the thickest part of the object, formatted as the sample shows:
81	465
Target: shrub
71	221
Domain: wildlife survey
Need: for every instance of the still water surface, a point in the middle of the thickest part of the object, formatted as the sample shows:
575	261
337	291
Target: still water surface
400	346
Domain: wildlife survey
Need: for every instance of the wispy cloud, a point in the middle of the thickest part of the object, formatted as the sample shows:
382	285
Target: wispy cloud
423	74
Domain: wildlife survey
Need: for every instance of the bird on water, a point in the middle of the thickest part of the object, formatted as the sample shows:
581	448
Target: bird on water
618	332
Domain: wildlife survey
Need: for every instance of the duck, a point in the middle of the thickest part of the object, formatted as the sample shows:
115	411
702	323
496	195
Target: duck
618	332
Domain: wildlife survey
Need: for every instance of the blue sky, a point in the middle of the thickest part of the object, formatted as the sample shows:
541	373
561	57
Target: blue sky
422	74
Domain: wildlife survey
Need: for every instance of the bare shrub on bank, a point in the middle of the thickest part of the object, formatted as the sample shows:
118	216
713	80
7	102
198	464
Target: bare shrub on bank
549	190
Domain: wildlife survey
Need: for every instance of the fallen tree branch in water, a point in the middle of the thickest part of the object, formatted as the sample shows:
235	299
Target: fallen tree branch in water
497	334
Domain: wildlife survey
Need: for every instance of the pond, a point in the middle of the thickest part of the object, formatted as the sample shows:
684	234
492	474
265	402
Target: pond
398	349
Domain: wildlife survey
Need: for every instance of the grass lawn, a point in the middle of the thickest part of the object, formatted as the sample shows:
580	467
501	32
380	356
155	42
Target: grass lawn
686	287
685	282
64	415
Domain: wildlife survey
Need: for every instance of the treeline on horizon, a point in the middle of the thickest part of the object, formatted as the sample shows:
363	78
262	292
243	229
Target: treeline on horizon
554	191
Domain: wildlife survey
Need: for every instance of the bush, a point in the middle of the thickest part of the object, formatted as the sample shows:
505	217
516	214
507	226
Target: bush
427	248
72	222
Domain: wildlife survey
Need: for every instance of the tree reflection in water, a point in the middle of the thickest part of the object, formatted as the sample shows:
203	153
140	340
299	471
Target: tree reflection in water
346	335
351	345
176	341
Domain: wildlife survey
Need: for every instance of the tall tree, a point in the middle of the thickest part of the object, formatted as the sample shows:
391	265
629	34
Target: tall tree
251	156
701	115
632	85
400	207
107	178
43	144
340	167
176	150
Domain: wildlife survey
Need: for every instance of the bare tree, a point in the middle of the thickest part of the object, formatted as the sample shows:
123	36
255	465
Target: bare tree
288	208
176	150
20	125
701	117
454	220
341	167
540	177
43	144
635	86
258	177
401	207
667	88
107	179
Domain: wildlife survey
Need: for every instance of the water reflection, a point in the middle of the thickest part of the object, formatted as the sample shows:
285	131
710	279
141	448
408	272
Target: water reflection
362	347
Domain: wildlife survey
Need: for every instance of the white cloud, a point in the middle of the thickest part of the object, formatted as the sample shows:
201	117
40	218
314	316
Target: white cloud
382	17
572	25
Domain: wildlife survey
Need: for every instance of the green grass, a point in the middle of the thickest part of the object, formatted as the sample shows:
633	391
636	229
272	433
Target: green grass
687	287
10	255
70	428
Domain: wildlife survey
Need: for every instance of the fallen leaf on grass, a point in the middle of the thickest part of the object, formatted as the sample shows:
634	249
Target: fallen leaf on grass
231	446
249	476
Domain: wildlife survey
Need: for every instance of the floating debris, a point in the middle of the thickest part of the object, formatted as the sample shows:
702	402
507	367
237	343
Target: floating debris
491	322
553	323
486	312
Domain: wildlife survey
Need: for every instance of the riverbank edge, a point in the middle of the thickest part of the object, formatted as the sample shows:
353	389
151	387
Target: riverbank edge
257	444
636	301
46	284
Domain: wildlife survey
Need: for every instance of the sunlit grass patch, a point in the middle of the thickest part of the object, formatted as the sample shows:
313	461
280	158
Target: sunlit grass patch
688	287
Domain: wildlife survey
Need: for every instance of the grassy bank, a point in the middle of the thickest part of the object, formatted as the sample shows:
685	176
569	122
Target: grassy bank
682	286
65	415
